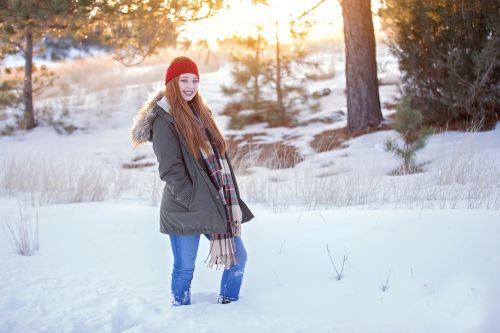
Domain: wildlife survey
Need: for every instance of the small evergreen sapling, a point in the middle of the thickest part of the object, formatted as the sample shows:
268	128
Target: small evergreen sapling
408	124
270	79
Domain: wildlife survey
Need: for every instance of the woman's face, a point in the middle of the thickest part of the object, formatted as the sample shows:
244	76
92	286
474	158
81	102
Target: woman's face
188	85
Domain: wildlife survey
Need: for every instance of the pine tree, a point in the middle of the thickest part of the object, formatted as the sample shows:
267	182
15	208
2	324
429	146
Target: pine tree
136	29
408	124
449	54
268	79
133	29
249	67
288	75
23	23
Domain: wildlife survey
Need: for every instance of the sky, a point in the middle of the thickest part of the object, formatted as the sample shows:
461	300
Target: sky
242	17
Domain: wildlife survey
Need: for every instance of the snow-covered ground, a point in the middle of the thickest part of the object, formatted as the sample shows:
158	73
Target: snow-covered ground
104	267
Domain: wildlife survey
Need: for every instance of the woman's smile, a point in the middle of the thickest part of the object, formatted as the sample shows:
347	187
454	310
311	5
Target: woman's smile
188	85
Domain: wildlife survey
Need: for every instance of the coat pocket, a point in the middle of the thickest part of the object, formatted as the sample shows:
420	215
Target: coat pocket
182	203
173	204
185	197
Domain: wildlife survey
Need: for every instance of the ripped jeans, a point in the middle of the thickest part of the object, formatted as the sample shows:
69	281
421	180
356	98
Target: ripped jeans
185	249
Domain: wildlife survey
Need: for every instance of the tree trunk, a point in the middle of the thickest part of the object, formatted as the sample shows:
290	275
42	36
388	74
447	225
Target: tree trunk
29	116
279	92
363	102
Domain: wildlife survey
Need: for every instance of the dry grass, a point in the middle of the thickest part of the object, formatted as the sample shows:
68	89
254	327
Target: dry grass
459	181
329	140
92	74
278	155
44	180
95	74
408	170
323	120
334	139
23	232
389	82
390	106
467	125
136	165
247	152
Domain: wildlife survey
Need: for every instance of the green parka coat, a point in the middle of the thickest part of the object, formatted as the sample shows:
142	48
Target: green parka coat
190	202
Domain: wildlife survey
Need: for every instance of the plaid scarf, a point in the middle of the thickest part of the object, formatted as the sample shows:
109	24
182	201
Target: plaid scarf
222	247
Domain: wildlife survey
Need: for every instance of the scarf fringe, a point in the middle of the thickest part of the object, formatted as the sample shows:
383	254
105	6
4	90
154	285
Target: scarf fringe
237	216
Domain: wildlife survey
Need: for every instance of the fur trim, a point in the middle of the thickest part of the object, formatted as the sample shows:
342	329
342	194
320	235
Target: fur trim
140	132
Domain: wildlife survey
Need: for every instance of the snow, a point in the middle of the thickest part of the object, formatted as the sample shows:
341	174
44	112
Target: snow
105	267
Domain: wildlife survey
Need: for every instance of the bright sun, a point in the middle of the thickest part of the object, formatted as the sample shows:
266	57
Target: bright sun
243	18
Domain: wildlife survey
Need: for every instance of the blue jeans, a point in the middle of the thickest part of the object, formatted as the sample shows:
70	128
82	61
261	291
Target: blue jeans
185	249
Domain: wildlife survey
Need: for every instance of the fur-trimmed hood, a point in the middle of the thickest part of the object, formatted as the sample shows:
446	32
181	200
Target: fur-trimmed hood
140	132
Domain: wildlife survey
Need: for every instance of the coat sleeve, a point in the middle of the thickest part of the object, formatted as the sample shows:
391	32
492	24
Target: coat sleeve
171	167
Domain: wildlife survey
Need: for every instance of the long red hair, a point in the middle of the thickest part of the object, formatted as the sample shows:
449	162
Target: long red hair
185	120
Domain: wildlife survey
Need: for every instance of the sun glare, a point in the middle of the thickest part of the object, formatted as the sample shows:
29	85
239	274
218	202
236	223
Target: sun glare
242	18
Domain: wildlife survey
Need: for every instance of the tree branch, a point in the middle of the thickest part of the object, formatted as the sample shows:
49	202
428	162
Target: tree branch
16	44
306	12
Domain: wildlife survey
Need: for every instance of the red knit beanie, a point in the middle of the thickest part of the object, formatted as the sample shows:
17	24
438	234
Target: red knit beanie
181	67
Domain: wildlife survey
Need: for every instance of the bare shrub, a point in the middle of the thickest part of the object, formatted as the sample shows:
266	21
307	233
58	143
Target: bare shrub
337	272
23	232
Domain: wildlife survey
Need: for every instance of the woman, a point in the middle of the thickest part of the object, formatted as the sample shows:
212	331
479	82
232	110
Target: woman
201	195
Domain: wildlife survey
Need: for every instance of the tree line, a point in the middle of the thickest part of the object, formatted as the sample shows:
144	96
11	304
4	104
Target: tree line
448	52
132	29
